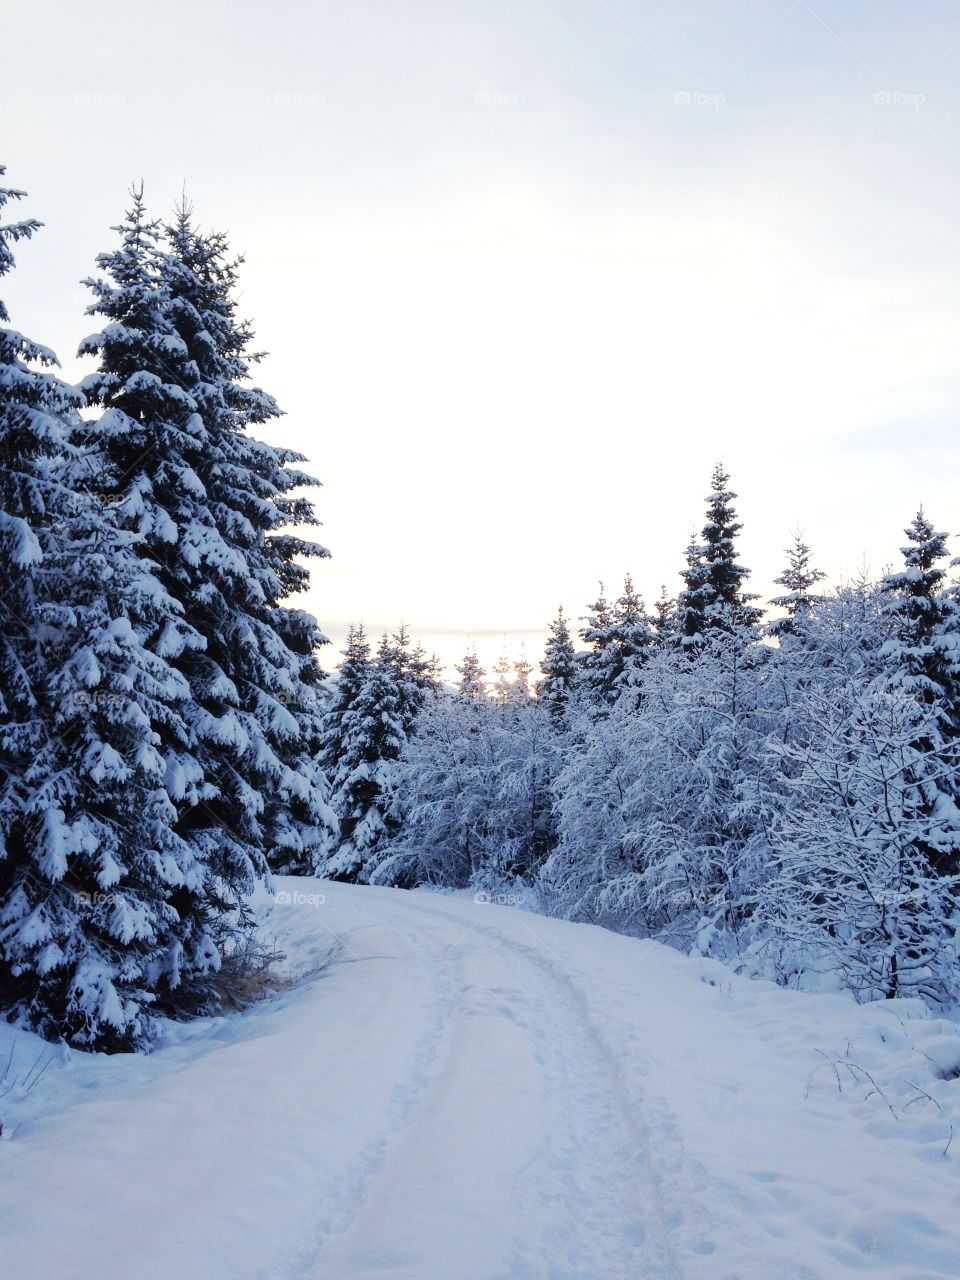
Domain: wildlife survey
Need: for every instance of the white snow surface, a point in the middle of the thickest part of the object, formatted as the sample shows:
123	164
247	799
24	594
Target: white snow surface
454	1090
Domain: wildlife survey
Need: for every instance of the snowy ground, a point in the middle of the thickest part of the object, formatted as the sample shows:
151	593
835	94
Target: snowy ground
471	1092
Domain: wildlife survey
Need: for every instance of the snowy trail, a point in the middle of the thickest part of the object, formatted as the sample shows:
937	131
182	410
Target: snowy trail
526	1114
472	1092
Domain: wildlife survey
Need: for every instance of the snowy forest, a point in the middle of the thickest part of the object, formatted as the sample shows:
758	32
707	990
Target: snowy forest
775	788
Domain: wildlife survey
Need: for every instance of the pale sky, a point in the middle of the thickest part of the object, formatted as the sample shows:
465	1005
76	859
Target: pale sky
525	270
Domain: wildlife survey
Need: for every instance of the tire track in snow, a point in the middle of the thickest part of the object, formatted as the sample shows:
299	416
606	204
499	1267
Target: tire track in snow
407	1097
569	1194
608	1217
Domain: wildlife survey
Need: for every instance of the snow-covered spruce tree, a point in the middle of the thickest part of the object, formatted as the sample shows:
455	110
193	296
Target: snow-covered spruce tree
597	658
34	412
695	804
796	662
693	600
34	422
350	678
142	456
925	621
372	735
633	636
89	860
415	675
714	579
471	683
94	924
620	636
210	508
426	673
664	617
351	675
559	667
252	562
661	813
923	655
798	580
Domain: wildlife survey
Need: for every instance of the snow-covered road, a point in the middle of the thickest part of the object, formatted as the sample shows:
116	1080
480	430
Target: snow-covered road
472	1092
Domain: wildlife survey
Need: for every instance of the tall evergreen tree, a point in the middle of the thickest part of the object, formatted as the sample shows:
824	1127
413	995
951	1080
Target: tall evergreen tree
714	579
559	669
210	507
922	612
923	659
351	674
90	865
694	600
34	411
620	636
372	737
251	562
415	675
596	633
633	636
350	678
